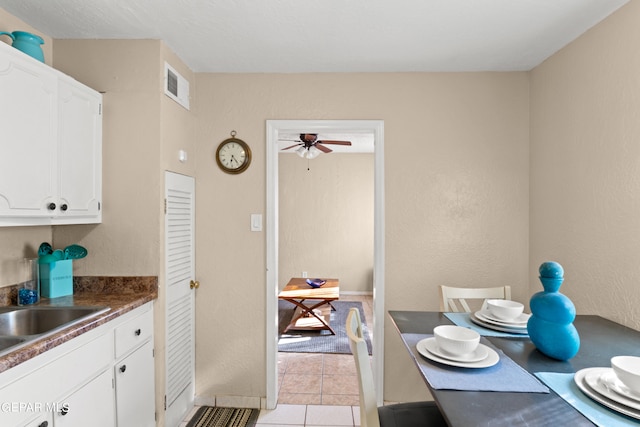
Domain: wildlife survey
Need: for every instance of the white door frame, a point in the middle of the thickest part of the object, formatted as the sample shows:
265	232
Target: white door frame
274	127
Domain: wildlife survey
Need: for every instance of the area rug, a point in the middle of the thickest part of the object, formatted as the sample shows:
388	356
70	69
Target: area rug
319	341
208	416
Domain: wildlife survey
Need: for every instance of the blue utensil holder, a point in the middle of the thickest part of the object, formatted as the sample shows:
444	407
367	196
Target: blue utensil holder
56	279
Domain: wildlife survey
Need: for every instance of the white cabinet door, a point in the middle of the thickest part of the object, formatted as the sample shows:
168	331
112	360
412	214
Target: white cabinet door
28	124
79	151
135	390
50	145
43	420
91	405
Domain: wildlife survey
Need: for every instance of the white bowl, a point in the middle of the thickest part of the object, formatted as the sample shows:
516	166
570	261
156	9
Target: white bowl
627	369
456	340
505	309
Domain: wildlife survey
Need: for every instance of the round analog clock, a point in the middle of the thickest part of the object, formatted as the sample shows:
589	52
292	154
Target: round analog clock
233	155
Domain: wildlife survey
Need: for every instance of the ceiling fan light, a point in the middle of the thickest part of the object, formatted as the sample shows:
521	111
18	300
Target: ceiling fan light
301	151
313	153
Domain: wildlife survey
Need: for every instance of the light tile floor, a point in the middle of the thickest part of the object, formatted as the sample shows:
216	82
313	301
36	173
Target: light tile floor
316	389
286	415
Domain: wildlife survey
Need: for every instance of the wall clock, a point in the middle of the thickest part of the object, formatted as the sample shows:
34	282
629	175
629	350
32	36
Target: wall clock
233	155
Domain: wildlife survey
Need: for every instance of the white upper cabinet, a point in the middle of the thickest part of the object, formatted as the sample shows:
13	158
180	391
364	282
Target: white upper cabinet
79	152
50	145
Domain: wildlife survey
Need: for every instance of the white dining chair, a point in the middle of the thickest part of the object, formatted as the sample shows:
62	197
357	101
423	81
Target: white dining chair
411	414
455	299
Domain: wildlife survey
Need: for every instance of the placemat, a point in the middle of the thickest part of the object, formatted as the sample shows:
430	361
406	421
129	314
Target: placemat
506	375
464	320
566	388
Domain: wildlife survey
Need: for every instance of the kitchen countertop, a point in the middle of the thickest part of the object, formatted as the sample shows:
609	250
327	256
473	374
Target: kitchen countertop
121	294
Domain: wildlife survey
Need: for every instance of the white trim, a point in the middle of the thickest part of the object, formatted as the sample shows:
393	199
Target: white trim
357	293
272	266
273	128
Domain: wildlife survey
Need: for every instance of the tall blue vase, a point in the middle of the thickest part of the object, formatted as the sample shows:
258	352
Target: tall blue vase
551	326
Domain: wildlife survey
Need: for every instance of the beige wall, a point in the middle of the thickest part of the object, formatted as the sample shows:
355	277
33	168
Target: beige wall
456	159
326	219
177	132
585	163
143	132
128	240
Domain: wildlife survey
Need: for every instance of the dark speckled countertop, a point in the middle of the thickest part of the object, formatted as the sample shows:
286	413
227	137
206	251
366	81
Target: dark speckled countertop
121	294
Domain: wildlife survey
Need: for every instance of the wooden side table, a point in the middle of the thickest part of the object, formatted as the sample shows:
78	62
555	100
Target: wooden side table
297	291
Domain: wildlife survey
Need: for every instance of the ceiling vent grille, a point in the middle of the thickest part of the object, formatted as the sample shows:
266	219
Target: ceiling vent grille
176	87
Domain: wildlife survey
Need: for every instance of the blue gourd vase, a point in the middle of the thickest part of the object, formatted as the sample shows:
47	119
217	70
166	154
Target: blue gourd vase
551	326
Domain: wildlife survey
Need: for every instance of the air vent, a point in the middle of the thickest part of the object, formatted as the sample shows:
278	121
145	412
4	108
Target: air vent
176	87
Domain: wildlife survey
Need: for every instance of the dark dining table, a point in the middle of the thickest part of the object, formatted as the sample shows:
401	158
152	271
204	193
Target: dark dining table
600	339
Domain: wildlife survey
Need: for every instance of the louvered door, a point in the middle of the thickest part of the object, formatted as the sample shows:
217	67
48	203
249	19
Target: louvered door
179	260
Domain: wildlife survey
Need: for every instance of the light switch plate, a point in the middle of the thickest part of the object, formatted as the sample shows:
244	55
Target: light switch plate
256	222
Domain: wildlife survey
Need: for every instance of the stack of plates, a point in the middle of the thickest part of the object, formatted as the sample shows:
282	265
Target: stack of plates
603	386
515	326
482	357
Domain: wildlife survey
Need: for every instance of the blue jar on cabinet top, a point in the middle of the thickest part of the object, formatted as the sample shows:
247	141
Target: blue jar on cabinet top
551	326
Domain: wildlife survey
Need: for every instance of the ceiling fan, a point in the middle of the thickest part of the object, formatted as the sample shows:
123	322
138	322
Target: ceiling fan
309	146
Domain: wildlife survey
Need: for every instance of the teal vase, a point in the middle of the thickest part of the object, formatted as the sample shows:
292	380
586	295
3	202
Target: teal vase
551	326
27	43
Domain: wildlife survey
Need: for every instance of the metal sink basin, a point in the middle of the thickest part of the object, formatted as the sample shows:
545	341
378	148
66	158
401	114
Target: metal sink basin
21	325
10	342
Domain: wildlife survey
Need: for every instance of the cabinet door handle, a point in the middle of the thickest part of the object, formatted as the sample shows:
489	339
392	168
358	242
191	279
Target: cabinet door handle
138	332
51	206
63	207
194	284
123	368
44	424
64	410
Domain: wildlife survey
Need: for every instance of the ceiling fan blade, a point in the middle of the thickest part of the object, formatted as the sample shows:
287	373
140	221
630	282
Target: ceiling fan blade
322	148
328	141
295	145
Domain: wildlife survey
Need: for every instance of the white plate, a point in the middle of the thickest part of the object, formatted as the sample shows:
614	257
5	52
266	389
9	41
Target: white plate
480	353
610	380
579	379
594	379
518	322
477	321
491	359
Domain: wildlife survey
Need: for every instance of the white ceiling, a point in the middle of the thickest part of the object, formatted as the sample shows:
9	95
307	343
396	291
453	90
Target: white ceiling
292	36
329	35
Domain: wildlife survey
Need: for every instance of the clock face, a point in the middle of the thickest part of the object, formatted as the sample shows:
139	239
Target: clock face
233	156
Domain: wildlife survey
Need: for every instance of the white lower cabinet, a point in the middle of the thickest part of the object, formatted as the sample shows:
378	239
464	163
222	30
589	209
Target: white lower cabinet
86	381
42	420
135	399
91	405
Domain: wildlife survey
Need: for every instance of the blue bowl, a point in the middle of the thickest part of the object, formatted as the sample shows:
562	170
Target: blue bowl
316	283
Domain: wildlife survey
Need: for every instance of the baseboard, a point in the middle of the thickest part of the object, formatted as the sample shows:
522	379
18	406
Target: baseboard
229	401
367	293
204	401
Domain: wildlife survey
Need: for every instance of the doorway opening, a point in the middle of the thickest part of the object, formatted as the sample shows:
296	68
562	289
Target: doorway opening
279	129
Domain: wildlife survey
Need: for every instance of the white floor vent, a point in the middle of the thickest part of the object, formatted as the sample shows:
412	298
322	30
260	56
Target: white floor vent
176	87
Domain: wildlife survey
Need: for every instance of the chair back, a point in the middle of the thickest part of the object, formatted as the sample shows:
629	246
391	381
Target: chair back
454	299
368	404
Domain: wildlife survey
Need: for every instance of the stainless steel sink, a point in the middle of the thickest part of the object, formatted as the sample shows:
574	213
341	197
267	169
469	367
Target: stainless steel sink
10	342
21	325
